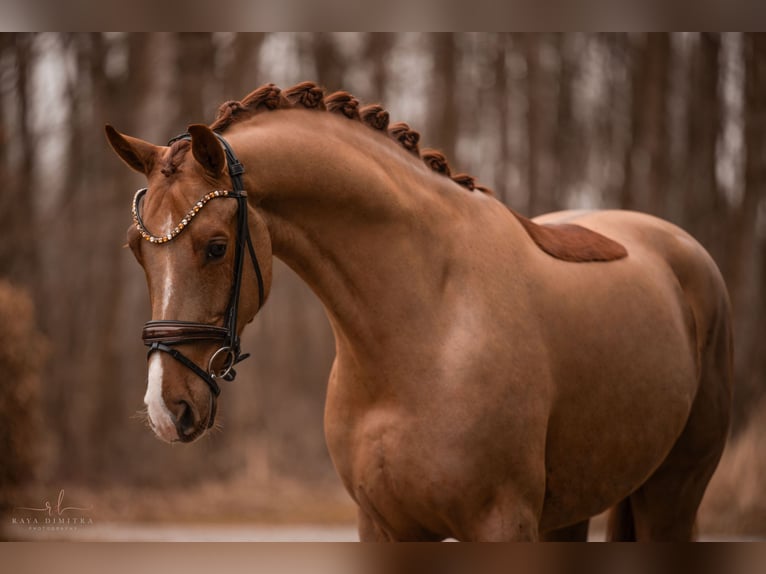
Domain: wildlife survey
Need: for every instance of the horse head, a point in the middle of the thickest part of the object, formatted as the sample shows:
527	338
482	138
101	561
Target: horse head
207	257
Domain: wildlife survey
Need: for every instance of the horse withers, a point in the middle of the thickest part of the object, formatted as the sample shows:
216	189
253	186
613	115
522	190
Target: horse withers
495	378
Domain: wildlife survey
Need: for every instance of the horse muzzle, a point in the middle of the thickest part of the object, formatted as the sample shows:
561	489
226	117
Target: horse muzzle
165	335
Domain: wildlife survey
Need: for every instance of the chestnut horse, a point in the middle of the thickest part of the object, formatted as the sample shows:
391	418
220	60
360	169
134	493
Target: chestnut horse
495	378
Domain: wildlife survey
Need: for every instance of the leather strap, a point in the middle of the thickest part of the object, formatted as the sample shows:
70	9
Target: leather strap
175	332
215	390
185	361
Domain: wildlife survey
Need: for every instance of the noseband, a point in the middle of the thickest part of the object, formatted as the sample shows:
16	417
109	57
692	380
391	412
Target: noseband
165	334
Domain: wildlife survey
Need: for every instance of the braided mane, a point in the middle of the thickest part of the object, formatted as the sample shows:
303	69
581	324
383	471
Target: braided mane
567	242
310	96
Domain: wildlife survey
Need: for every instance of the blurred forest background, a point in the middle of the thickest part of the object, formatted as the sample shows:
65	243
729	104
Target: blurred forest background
670	124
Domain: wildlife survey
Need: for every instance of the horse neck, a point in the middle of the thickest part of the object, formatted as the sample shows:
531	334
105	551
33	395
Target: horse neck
356	217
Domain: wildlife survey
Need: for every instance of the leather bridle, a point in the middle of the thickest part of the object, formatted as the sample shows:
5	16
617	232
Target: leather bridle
164	335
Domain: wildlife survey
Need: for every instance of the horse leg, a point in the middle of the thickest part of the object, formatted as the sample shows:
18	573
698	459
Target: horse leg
665	506
505	525
507	518
620	526
574	533
369	530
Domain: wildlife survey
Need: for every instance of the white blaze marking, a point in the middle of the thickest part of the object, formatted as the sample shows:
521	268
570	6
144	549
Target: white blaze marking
159	415
167	275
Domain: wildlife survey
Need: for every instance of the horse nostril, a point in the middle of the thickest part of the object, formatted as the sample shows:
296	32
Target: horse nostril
185	419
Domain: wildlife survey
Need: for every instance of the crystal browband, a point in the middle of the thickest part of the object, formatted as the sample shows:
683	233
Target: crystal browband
178	228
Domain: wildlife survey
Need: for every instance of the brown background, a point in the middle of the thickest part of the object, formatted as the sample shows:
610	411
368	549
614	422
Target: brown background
674	125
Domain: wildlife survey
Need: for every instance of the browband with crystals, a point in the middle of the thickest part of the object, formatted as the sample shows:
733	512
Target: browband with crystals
147	235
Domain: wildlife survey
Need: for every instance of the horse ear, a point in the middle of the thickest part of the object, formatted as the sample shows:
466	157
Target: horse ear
138	154
207	149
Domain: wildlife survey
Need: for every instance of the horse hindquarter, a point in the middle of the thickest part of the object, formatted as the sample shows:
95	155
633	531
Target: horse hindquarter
633	393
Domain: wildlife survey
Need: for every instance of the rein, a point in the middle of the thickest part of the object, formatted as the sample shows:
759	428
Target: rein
163	335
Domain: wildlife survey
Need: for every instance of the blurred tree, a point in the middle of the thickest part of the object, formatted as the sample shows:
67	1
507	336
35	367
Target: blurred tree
611	135
241	74
565	153
377	52
645	181
443	110
328	60
532	60
502	46
17	258
747	235
541	59
195	64
6	199
704	208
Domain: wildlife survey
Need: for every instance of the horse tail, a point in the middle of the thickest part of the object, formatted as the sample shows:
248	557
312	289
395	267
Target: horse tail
621	526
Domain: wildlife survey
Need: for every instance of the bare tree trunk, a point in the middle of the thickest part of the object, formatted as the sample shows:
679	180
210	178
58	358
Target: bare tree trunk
657	140
6	53
58	305
613	132
646	158
22	430
502	88
7	198
443	109
743	230
18	259
703	205
567	155
540	54
81	307
531	54
748	249
377	52
241	75
108	340
195	63
328	61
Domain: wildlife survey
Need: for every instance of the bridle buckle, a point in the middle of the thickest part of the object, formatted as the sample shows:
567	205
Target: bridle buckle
231	358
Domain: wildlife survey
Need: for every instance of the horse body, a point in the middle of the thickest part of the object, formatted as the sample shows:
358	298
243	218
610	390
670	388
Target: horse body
483	389
562	392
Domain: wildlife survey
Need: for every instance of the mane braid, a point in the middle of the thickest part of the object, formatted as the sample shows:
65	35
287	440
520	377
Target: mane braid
268	97
344	103
227	114
486	190
306	94
311	96
562	241
467	181
409	138
436	161
375	116
265	98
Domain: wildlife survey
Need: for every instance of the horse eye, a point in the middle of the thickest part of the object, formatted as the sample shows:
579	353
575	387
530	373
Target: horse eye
216	250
